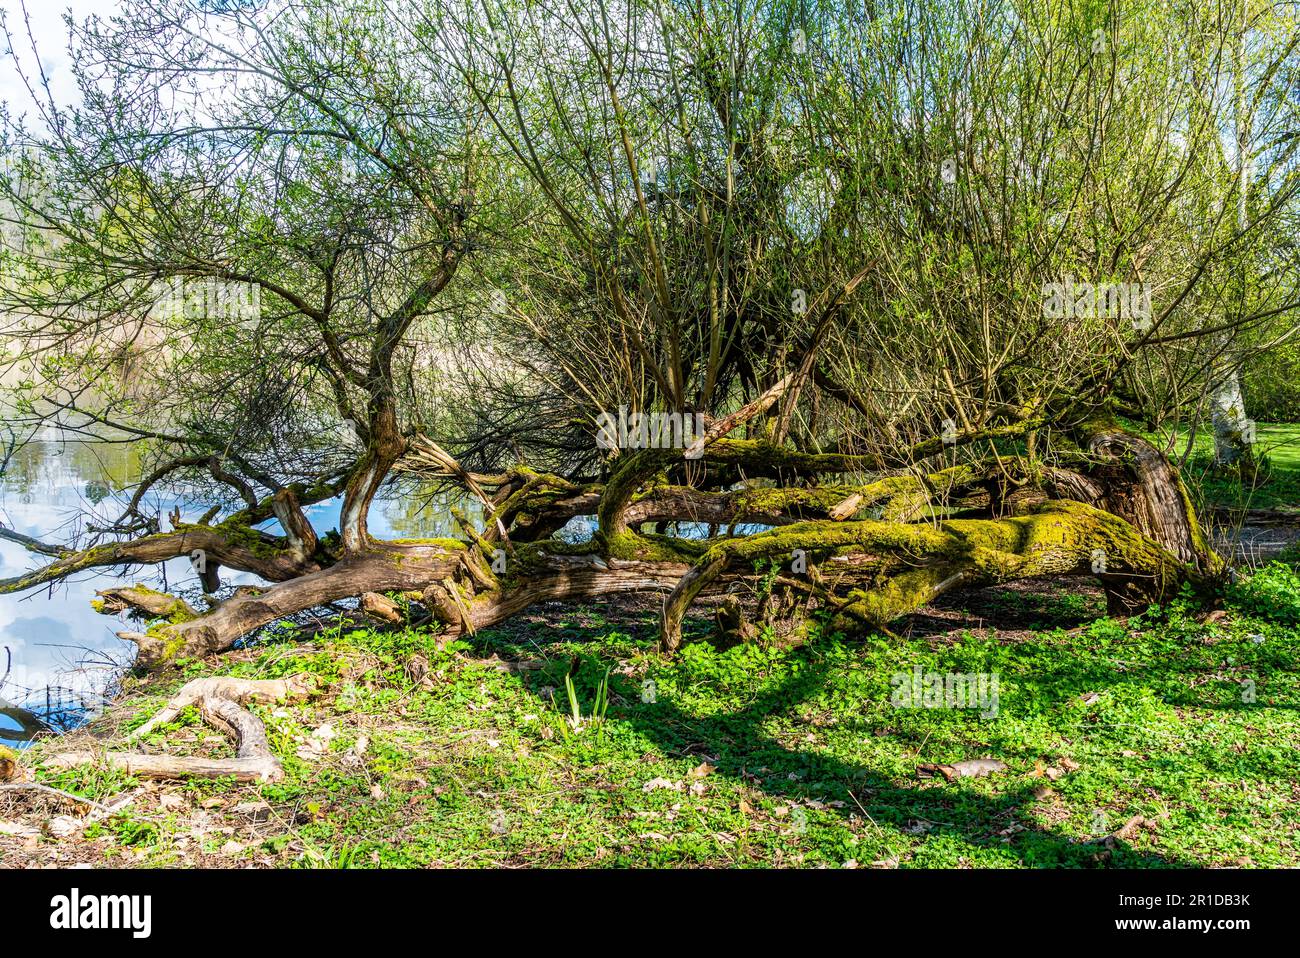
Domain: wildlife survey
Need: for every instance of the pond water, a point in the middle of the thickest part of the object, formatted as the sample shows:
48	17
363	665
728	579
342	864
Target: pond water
59	659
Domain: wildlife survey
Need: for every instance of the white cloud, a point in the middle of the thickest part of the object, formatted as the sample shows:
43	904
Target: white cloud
51	40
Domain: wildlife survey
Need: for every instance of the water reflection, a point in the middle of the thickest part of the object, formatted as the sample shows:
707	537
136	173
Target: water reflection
61	657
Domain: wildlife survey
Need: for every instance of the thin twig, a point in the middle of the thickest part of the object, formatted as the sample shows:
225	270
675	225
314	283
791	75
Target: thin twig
37	787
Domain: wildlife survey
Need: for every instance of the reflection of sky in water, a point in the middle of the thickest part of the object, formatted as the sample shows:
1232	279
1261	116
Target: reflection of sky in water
51	491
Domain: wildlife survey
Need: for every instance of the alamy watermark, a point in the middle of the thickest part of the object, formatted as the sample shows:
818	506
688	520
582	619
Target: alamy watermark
1069	299
946	690
208	298
650	430
76	911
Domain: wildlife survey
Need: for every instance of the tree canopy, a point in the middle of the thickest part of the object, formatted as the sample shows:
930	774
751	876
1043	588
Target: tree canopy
885	281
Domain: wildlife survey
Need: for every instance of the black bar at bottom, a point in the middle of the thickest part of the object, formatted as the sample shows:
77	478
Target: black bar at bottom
297	908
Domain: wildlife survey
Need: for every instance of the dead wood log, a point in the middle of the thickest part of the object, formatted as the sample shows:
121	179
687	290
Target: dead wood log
240	691
219	700
138	598
167	767
381	607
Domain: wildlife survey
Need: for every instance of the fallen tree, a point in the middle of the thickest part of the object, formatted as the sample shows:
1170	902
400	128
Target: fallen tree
890	404
862	554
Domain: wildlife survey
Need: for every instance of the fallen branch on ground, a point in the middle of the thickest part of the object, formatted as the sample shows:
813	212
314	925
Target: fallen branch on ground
220	703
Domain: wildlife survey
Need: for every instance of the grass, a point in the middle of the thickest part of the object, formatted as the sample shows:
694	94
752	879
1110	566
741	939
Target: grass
750	756
1279	442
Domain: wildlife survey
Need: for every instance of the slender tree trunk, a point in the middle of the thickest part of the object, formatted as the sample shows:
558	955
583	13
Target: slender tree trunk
386	446
1232	430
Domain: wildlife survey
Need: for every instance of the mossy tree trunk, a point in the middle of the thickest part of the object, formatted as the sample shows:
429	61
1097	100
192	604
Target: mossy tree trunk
861	552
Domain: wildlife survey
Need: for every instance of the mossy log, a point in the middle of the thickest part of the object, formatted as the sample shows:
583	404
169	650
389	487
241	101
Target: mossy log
146	601
909	565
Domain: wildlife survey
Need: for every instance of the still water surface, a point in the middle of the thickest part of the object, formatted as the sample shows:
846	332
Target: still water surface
59	655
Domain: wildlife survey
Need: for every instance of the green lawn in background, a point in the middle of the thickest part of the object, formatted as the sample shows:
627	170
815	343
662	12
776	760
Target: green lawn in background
1279	442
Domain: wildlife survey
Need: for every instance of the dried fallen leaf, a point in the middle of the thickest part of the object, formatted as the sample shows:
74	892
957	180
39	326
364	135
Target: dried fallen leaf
699	771
257	811
657	783
970	768
63	826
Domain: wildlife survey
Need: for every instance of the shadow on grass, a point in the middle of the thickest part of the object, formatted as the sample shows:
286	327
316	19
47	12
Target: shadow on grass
738	747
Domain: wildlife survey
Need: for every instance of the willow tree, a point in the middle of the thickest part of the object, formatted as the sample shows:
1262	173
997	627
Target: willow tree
252	211
926	251
895	267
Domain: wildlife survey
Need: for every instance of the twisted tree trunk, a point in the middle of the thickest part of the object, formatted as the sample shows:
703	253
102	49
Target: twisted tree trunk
864	553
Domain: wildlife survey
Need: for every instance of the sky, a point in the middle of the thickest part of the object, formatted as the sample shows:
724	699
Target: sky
47	27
